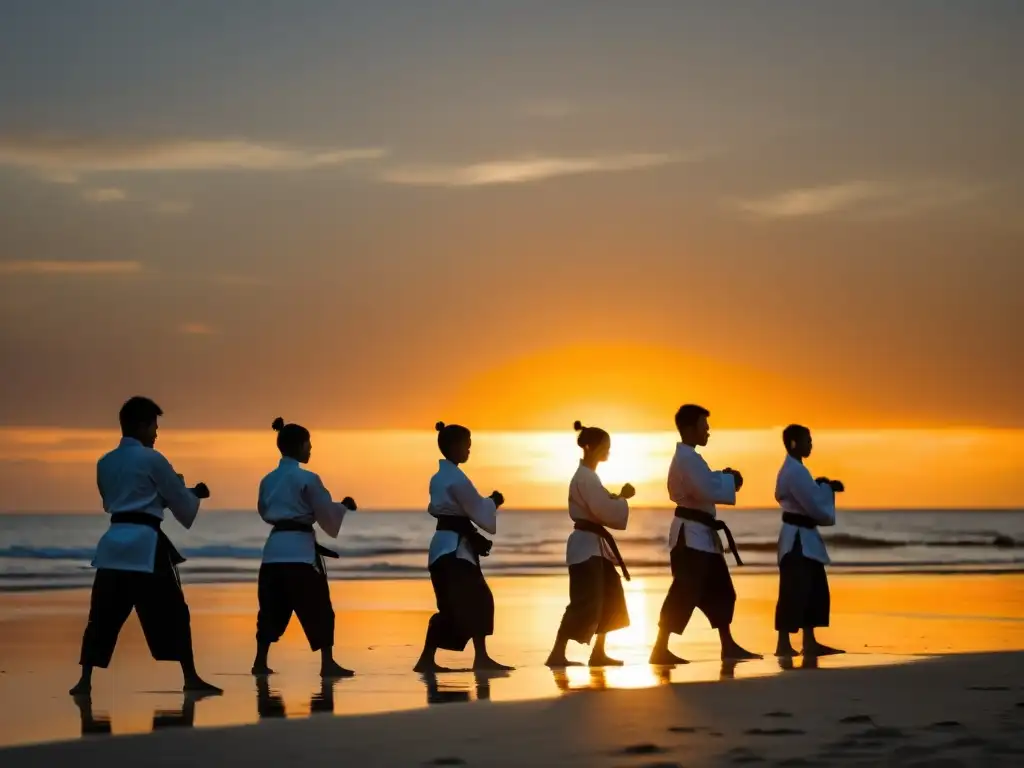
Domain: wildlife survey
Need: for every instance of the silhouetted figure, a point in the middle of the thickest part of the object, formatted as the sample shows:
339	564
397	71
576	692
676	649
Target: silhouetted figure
465	605
597	603
804	600
700	575
269	704
293	577
137	566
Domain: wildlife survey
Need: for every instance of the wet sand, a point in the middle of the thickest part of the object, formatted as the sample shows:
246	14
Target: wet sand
886	622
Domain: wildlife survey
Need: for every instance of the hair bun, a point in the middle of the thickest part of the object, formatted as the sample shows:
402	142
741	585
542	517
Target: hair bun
439	426
578	426
278	424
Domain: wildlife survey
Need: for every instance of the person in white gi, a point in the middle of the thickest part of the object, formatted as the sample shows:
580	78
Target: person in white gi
597	602
293	577
700	575
136	564
804	600
465	605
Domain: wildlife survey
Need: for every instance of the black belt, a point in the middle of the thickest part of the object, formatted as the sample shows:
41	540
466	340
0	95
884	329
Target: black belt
294	526
150	521
606	536
801	521
478	543
699	516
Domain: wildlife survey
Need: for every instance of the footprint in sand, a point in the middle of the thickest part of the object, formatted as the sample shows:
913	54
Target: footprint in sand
743	755
881	733
642	749
857	720
661	765
988	688
447	761
794	762
780	713
945	725
967	741
774	732
684	729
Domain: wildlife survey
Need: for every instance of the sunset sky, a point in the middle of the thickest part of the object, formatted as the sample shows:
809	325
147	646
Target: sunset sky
366	217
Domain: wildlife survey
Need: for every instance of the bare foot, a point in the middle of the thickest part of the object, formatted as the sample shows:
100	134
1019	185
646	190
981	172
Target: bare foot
198	685
737	653
334	669
786	650
665	658
602	660
82	688
261	670
430	667
821	650
487	663
558	662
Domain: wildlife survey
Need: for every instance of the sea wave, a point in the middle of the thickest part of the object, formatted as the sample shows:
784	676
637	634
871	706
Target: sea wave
541	546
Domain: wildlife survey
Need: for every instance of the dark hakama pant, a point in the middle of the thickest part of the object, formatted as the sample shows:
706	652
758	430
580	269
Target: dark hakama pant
465	605
804	599
299	588
157	599
699	580
597	602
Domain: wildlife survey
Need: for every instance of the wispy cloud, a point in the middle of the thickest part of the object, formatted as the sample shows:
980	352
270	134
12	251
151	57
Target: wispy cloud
104	195
876	199
39	267
196	329
66	158
523	170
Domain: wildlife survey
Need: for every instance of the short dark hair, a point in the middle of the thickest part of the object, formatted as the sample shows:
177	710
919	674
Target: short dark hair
137	412
793	432
449	436
590	437
688	415
290	437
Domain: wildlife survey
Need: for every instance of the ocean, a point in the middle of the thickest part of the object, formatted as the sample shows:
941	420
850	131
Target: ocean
52	551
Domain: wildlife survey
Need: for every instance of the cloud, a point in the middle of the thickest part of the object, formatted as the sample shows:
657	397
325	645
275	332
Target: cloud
876	199
104	195
196	329
65	158
39	267
522	170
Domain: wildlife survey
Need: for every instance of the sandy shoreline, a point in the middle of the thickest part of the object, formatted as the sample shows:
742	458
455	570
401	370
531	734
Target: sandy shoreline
883	621
962	710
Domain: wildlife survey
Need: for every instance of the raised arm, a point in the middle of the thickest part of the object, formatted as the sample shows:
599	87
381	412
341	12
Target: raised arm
709	486
178	498
611	511
328	513
480	509
817	501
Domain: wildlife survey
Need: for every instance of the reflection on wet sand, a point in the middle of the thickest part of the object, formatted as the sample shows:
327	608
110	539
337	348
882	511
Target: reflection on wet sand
93	724
447	689
270	704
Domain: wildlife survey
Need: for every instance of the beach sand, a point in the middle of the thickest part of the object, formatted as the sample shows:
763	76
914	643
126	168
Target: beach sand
889	623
